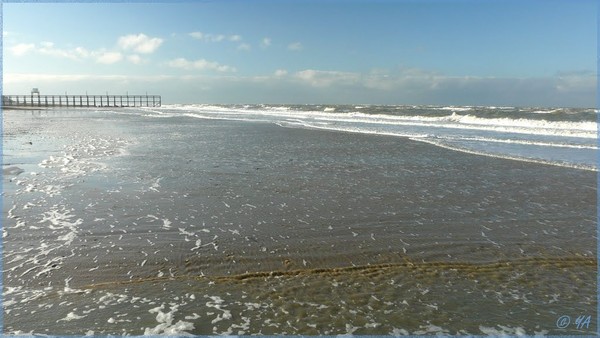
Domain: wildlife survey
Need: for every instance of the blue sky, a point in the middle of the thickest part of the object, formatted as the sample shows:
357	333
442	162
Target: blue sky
511	52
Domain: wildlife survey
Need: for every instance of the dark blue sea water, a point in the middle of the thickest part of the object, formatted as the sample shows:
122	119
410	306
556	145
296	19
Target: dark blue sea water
197	219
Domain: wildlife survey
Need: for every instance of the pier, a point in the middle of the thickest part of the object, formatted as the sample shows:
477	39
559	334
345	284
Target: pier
81	101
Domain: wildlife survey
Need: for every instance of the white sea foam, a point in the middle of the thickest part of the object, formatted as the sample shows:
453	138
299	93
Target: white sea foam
166	223
76	160
399	332
71	316
469	122
165	322
59	218
217	303
506	331
431	329
452	108
545	111
524	142
453	121
440	143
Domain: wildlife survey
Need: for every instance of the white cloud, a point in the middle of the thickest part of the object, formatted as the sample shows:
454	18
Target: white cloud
11	78
575	81
181	63
48	48
416	86
244	46
109	57
140	43
320	78
197	35
296	46
266	42
404	86
200	64
75	54
82	52
215	37
92	83
22	48
135	59
235	38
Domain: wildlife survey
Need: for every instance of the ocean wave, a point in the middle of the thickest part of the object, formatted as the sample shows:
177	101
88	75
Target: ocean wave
453	108
566	164
459	143
455	121
583	129
459	129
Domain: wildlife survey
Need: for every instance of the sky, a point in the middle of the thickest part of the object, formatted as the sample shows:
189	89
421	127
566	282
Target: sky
438	52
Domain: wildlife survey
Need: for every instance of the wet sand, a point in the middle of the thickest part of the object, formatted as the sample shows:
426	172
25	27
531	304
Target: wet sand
246	227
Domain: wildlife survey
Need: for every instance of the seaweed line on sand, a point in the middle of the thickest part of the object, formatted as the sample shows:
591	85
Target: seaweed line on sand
376	269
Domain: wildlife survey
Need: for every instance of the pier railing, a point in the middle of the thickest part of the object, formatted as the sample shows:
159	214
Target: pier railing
112	101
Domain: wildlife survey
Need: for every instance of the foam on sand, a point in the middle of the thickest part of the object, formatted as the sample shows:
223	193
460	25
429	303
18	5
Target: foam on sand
165	322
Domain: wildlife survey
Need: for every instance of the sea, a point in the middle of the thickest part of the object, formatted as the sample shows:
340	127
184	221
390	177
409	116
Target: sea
196	219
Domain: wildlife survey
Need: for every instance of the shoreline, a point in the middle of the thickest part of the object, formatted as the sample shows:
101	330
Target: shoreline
435	142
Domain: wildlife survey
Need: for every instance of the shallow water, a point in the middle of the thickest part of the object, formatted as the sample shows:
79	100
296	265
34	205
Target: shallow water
121	223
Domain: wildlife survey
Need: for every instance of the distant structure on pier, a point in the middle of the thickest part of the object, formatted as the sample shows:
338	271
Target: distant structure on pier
80	101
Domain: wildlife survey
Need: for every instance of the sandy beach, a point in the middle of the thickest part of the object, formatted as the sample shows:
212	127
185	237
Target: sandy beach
119	223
